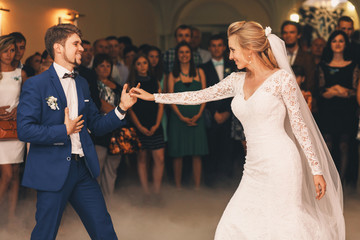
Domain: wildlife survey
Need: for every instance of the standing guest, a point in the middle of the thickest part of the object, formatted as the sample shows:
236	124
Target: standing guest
182	33
120	72
54	114
187	134
20	47
124	41
87	55
218	115
99	46
157	71
195	44
317	48
109	93
12	150
88	73
34	63
46	61
146	117
129	54
346	24
338	78
291	33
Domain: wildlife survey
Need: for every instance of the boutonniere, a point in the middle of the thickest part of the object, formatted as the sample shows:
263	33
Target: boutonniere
52	103
17	78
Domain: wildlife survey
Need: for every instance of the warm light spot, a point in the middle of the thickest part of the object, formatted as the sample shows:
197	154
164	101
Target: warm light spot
350	7
295	17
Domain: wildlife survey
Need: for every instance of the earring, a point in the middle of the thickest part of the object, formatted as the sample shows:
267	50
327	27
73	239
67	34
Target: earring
250	59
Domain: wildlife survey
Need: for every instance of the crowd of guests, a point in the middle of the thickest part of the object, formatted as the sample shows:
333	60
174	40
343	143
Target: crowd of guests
207	135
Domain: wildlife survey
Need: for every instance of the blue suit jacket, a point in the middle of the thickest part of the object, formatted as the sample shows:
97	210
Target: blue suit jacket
49	156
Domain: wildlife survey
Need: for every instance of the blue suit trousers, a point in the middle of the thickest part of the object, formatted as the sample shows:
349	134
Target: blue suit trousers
84	194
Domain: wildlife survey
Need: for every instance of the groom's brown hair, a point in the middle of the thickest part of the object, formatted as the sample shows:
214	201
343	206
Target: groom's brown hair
58	34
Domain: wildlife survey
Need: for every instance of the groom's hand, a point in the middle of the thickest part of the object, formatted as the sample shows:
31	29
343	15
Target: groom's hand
73	126
127	100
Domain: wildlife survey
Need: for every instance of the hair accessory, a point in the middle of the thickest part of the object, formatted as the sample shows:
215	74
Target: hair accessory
267	31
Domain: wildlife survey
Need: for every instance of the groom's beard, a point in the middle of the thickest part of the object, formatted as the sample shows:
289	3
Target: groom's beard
290	45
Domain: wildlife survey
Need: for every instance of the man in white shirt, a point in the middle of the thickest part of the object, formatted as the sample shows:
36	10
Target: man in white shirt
195	44
120	72
55	114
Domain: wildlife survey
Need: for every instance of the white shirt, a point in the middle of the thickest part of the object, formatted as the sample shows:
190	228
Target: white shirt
292	56
69	87
219	67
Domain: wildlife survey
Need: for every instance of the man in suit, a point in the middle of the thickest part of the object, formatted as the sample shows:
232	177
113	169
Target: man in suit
291	33
55	114
217	114
346	24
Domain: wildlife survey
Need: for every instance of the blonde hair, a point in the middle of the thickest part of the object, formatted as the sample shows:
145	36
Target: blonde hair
5	42
251	35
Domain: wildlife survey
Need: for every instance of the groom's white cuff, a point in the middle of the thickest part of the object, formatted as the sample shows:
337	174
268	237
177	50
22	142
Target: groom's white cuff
119	115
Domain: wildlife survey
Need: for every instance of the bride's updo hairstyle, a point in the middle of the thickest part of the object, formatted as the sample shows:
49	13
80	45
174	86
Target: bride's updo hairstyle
251	35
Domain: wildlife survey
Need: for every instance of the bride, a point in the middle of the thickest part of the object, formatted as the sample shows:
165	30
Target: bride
288	167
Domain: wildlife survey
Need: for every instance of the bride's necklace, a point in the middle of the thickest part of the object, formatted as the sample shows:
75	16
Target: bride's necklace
184	74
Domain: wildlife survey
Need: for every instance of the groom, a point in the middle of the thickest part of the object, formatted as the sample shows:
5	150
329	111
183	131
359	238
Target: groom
55	115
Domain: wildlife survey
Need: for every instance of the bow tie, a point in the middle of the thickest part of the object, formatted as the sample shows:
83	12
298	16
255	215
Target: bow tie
218	63
70	75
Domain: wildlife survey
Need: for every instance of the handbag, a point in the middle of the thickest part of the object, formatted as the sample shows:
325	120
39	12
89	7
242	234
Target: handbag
124	141
8	130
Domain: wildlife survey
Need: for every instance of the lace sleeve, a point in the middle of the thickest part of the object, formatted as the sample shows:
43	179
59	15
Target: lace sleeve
224	89
290	97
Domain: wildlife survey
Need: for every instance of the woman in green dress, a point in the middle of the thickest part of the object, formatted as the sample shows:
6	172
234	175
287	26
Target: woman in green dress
187	136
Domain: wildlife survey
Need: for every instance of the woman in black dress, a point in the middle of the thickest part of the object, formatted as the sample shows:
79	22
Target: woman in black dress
338	77
146	116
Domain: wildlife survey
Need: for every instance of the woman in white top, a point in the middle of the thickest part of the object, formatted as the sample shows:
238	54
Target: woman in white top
287	160
12	150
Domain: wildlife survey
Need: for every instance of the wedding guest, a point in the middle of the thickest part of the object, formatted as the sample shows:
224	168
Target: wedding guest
317	48
291	33
195	44
157	71
129	55
182	33
218	115
338	77
46	61
110	93
11	150
346	24
300	79
34	63
187	134
120	72
124	41
20	46
146	116
55	114
87	56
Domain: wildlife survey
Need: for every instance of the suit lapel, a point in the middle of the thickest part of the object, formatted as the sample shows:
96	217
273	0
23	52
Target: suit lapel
213	72
57	84
80	95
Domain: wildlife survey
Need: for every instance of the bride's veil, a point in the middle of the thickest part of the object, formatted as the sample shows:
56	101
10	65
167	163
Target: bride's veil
329	210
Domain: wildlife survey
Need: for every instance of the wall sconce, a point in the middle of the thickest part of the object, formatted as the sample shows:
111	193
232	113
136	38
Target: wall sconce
71	17
5	10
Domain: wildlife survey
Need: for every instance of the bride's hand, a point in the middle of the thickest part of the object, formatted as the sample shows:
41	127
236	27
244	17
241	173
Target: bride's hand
320	186
142	94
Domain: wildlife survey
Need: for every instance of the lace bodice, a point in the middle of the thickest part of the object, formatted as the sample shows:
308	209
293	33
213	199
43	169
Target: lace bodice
263	113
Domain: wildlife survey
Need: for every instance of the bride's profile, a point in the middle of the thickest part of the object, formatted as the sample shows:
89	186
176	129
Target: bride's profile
290	188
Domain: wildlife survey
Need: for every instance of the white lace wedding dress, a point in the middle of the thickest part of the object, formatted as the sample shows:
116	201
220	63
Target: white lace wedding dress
268	202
